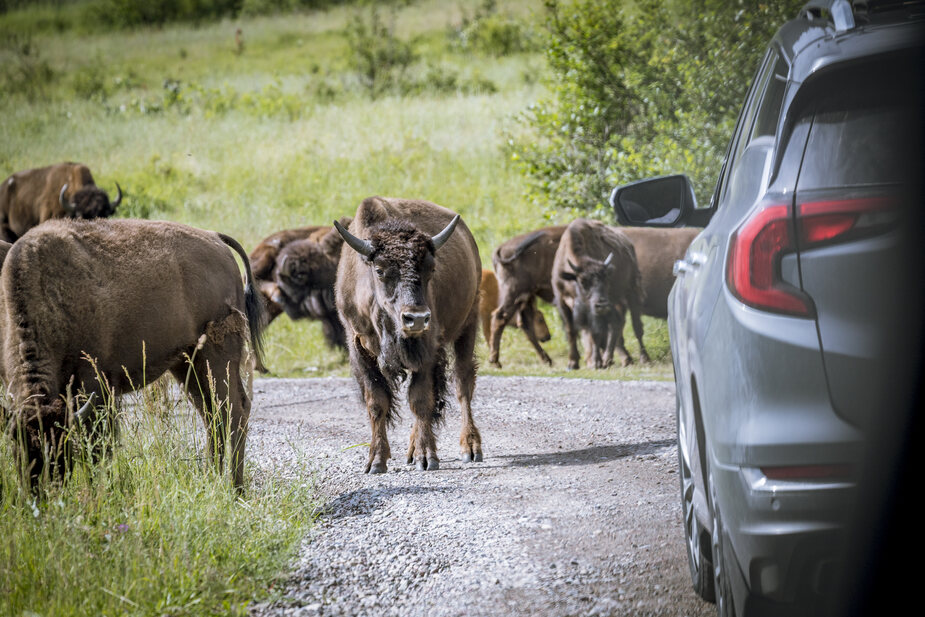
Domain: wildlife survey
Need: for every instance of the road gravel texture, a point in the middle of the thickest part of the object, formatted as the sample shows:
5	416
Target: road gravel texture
574	511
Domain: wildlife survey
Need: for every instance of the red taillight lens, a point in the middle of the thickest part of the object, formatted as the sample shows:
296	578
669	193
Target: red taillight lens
824	221
753	269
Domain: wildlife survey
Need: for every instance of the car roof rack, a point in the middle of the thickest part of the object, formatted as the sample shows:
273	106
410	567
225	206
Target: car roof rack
842	16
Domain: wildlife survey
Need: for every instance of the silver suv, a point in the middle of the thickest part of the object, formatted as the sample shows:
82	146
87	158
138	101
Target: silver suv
795	316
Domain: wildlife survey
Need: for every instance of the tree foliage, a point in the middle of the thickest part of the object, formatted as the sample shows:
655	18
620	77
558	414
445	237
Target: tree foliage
639	89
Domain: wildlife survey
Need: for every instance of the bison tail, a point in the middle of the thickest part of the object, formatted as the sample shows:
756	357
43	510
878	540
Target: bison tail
254	307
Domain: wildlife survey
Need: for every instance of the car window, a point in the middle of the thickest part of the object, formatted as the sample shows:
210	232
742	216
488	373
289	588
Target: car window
754	144
856	147
866	127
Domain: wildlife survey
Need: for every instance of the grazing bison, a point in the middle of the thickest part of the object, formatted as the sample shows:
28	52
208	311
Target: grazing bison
263	260
407	287
523	266
125	301
30	197
304	275
656	251
596	281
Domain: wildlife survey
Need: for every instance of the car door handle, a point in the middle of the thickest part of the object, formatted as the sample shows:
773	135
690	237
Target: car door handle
697	259
681	267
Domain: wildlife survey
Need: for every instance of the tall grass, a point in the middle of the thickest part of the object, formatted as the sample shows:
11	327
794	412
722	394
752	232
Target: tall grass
153	530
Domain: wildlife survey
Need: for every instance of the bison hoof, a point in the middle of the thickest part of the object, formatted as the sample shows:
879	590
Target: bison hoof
495	363
377	468
430	464
468	457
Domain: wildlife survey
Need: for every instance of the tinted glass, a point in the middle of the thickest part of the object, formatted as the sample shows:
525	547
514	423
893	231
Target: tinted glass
866	130
653	201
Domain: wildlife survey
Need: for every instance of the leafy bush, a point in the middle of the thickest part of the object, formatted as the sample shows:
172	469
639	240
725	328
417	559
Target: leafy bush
378	56
498	35
639	91
22	68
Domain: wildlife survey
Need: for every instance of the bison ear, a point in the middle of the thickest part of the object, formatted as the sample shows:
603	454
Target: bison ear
371	212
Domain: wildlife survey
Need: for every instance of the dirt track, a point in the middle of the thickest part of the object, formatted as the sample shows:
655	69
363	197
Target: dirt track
573	512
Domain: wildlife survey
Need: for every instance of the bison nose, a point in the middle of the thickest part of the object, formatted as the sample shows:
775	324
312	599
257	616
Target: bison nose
601	306
415	321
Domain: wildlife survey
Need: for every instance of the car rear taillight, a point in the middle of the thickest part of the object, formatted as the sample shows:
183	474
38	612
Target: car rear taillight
820	222
753	270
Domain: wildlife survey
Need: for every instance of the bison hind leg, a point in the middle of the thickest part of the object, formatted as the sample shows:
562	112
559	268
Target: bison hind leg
213	382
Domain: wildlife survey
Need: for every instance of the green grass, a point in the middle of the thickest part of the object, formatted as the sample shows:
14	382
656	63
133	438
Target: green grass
155	530
278	136
281	136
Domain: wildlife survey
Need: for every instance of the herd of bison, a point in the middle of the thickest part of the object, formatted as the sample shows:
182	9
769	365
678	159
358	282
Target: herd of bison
92	307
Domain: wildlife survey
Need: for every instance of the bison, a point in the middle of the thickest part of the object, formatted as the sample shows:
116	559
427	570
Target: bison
120	302
656	251
596	280
264	257
407	287
523	266
31	197
488	302
304	275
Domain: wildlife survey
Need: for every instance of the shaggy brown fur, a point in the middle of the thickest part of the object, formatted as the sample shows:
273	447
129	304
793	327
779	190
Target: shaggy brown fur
264	256
33	196
488	302
656	251
523	266
594	294
304	278
401	305
127	300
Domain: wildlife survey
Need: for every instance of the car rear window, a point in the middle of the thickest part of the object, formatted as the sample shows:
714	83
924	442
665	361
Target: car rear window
866	130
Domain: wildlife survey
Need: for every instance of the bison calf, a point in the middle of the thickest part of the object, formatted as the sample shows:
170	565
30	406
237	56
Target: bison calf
408	286
125	301
596	281
34	196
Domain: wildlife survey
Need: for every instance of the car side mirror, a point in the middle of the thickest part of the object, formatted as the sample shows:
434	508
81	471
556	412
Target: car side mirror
666	201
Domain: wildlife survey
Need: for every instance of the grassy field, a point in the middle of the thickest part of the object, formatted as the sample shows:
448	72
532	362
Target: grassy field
282	134
247	140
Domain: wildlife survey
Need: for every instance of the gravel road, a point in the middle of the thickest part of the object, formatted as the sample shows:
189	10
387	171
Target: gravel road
574	510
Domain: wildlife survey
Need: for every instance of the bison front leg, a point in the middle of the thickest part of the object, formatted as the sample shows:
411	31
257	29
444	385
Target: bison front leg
377	395
470	441
426	397
568	321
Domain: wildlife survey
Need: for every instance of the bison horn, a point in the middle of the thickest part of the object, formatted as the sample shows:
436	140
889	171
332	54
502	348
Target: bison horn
83	411
363	247
609	259
118	200
68	207
441	238
571	265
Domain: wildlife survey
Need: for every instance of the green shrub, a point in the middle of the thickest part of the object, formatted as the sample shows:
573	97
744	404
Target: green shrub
377	55
23	70
488	32
639	90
